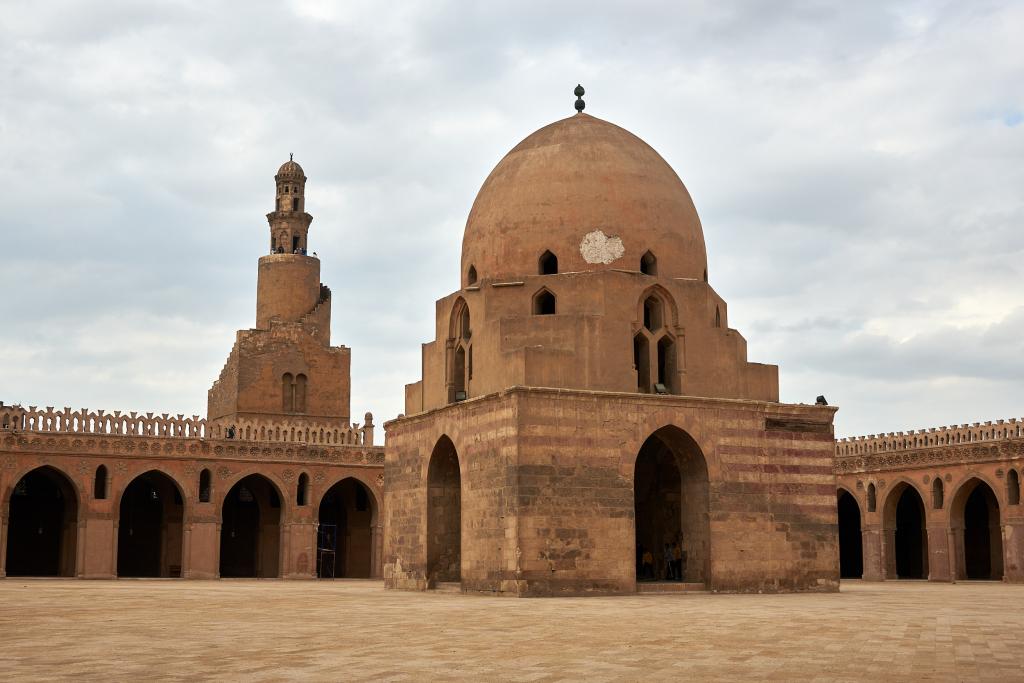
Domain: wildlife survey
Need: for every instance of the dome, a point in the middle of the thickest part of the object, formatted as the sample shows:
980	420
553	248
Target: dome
291	168
594	195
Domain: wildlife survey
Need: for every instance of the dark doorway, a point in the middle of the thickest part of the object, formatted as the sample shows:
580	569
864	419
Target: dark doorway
250	530
149	532
444	514
346	531
670	494
910	539
983	543
42	531
851	549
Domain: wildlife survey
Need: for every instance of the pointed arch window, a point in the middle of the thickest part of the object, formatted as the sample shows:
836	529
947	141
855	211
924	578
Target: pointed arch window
1012	488
649	263
871	497
938	493
548	264
302	491
99	484
205	486
471	275
544	303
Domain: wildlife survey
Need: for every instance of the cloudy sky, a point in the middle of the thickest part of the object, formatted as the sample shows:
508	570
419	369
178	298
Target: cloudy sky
858	167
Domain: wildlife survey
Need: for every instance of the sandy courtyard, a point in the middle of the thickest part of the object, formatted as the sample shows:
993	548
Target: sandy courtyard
345	630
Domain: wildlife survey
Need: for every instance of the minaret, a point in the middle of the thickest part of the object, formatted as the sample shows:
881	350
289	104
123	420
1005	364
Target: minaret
289	279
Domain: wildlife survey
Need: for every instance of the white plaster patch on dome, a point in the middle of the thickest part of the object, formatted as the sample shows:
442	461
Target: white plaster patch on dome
598	247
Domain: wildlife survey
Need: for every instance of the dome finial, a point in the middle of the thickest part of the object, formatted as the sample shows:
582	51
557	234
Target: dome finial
291	156
580	104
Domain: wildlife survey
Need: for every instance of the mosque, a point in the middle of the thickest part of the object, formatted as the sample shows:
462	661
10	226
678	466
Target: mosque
586	422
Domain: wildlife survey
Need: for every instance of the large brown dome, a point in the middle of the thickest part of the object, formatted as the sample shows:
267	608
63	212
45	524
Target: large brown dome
594	195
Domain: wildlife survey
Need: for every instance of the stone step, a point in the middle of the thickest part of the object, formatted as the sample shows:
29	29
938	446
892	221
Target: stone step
670	587
447	587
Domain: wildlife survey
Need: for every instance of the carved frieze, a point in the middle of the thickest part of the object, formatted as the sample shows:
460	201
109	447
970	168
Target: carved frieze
942	455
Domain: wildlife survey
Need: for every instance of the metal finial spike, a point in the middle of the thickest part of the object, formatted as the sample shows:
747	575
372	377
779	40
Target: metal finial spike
579	92
291	156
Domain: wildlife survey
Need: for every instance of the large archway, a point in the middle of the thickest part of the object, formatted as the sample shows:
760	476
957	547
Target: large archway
250	535
444	514
905	525
851	542
976	525
42	528
149	532
345	532
670	496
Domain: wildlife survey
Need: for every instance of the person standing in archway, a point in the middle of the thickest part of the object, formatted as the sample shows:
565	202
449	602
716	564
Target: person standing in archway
670	565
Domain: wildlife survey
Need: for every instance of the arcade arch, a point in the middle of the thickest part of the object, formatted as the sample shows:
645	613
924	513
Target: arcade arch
671	498
42	526
906	537
977	532
250	538
444	514
347	515
150	528
851	541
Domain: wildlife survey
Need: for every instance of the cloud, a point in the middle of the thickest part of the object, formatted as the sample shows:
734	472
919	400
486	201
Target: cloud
856	166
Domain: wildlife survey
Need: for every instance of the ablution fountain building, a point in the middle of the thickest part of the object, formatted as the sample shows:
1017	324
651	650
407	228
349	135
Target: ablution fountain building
583	402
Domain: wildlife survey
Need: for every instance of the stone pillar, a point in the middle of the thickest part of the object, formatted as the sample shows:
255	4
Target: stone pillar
3	543
938	554
97	546
298	550
872	557
377	549
889	554
202	550
1013	550
956	553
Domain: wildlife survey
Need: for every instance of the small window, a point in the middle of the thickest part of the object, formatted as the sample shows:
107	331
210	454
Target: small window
548	264
544	303
718	316
295	244
287	392
648	264
705	275
1013	487
302	492
871	497
295	204
286	189
99	484
300	393
205	486
469	362
937	493
653	313
471	275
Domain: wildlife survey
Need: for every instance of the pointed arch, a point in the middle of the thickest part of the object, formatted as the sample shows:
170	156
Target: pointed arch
904	520
547	263
544	302
851	541
976	520
444	513
100	483
42	524
649	263
471	275
251	516
150	527
348	514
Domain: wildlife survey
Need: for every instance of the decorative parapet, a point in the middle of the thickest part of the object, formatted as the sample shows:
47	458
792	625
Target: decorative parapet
67	421
935	437
980	451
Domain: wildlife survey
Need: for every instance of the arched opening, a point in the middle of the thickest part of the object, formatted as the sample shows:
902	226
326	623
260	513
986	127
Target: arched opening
976	527
666	366
99	483
653	313
642	363
302	490
905	524
938	493
295	207
648	264
42	526
471	276
670	496
459	378
300	393
1012	488
718	316
871	498
444	514
544	303
548	264
250	536
345	534
851	545
287	392
149	531
205	486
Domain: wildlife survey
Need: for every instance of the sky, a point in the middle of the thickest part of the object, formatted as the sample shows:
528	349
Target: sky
858	169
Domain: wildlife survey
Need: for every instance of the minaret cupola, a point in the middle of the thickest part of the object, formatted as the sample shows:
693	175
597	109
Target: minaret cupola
289	222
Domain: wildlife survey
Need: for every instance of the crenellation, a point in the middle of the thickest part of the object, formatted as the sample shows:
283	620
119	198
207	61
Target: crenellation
933	437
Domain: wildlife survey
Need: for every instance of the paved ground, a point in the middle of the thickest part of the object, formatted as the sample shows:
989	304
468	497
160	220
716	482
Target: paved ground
253	630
